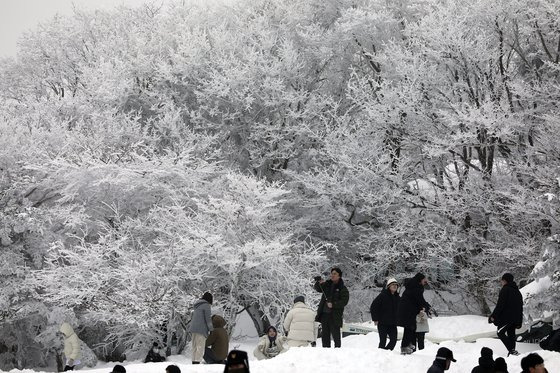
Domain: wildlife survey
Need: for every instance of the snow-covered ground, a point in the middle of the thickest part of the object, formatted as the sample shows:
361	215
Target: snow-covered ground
359	353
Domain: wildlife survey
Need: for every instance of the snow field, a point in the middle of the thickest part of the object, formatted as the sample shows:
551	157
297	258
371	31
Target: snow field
359	353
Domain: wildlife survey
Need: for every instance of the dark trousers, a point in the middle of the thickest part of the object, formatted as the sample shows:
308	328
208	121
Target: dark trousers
329	328
420	336
210	357
391	332
506	334
68	367
408	338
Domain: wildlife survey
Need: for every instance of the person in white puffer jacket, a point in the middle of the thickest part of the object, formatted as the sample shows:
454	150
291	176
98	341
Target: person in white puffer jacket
300	325
72	347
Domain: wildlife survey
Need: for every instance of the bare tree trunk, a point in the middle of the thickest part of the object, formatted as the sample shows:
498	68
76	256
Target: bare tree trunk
260	320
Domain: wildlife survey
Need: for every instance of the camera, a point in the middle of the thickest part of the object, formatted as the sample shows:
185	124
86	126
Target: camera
317	278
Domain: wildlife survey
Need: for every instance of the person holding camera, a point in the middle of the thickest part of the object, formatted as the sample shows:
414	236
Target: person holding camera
331	307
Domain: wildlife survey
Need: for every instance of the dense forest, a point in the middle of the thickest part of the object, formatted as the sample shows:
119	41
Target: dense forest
150	154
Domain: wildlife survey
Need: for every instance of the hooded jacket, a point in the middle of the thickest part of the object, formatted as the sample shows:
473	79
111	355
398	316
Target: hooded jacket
300	323
71	342
201	321
218	339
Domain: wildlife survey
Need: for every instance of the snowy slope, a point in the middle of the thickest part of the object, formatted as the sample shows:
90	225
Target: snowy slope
466	328
359	354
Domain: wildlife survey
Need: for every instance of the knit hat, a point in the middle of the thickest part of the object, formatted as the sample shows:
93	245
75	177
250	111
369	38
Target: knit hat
507	277
208	297
118	369
237	357
390	281
445	354
299	298
531	361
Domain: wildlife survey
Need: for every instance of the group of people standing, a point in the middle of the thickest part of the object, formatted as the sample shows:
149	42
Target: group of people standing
411	311
210	340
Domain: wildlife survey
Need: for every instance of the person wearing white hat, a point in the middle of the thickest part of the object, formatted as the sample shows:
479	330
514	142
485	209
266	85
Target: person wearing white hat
383	311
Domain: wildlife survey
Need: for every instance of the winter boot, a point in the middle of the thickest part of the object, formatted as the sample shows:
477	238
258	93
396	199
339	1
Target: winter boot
406	351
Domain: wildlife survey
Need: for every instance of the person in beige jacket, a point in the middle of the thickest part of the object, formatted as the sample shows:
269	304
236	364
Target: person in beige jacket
270	345
72	345
299	324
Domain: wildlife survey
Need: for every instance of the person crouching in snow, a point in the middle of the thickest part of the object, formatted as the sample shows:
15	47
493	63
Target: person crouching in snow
299	324
72	345
217	344
269	345
154	355
383	311
443	360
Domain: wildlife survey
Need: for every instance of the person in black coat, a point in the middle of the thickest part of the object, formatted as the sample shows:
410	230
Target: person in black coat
154	355
508	314
383	311
412	301
485	361
331	307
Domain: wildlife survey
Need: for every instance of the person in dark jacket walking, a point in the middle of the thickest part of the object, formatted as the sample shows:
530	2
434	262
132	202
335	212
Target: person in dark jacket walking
443	360
217	343
485	361
508	314
201	326
383	311
331	307
411	303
